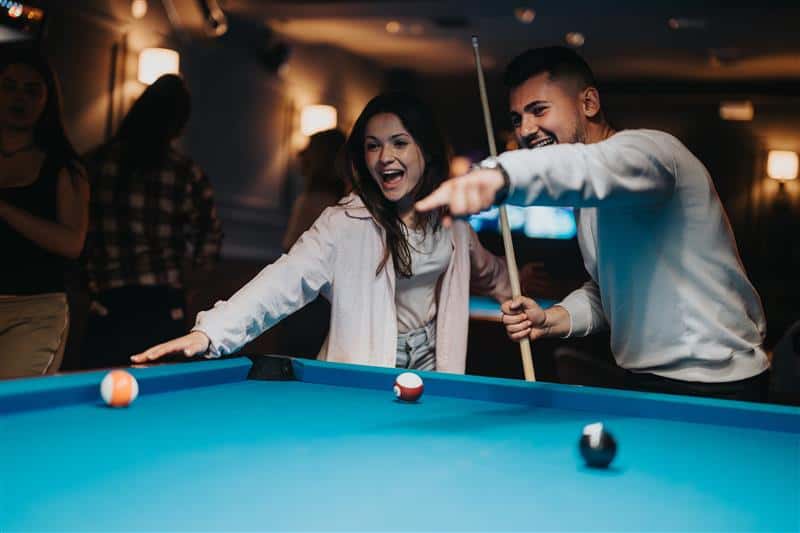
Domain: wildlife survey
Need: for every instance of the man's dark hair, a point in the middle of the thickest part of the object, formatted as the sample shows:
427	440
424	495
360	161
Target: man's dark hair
558	61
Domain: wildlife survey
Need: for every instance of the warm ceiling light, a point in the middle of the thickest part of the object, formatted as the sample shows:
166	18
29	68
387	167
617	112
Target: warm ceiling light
155	62
393	26
741	110
525	15
316	118
35	14
138	8
782	165
575	39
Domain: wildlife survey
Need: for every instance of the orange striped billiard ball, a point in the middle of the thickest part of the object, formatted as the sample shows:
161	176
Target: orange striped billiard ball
119	388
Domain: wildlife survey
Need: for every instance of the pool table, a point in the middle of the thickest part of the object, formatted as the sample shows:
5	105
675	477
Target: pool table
271	443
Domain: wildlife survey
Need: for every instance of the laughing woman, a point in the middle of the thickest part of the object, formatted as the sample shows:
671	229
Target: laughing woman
397	280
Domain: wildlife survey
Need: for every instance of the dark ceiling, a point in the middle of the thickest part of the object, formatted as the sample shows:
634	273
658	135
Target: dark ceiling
622	39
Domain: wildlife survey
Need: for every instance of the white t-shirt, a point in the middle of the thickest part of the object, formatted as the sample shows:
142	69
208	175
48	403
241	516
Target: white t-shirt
666	276
415	297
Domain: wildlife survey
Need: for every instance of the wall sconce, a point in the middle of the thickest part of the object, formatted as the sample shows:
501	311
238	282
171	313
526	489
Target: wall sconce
316	118
138	8
782	165
736	110
155	62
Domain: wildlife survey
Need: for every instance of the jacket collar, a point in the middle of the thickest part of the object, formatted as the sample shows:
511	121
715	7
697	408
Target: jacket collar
354	207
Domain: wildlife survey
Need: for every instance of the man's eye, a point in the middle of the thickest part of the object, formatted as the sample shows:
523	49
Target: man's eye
515	121
539	111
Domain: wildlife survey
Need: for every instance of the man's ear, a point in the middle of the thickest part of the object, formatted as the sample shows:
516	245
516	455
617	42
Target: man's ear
590	102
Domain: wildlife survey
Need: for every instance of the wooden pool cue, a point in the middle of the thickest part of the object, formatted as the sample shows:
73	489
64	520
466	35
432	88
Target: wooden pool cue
513	273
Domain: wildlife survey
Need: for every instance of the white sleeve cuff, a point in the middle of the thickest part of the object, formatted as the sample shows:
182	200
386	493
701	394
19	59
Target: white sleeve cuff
580	315
206	328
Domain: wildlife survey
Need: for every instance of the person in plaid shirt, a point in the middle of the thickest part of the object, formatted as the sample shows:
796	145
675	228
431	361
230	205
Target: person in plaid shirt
150	207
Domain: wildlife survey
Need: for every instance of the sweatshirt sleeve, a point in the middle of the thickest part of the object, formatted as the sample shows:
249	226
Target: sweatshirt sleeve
280	289
629	168
585	310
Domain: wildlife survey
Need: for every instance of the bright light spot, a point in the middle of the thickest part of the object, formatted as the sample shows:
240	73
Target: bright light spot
138	8
575	39
525	15
155	62
782	165
393	26
742	110
316	118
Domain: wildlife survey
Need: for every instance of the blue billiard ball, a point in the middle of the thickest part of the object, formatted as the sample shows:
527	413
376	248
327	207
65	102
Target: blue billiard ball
597	446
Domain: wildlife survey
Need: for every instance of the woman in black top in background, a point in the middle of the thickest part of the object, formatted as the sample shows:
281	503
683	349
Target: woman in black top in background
44	199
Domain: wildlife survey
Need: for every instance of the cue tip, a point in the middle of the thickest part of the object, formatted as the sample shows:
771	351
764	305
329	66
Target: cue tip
475	41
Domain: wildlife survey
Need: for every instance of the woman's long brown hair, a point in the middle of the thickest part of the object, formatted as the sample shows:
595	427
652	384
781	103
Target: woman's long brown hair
49	133
418	119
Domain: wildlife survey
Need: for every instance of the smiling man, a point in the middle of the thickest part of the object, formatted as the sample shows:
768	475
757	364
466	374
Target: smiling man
666	277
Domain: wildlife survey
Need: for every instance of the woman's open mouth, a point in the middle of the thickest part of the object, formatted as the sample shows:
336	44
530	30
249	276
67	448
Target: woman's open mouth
392	178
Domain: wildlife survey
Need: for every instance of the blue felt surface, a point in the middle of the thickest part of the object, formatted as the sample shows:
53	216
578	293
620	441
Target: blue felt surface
487	308
247	455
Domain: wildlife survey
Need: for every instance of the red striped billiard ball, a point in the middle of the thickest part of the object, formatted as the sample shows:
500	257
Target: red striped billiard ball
408	387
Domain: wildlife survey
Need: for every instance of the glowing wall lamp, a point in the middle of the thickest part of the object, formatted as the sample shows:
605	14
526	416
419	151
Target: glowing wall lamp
736	110
316	118
138	8
155	62
782	165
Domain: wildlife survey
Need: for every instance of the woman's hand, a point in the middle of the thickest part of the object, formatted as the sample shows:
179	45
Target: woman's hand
189	345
